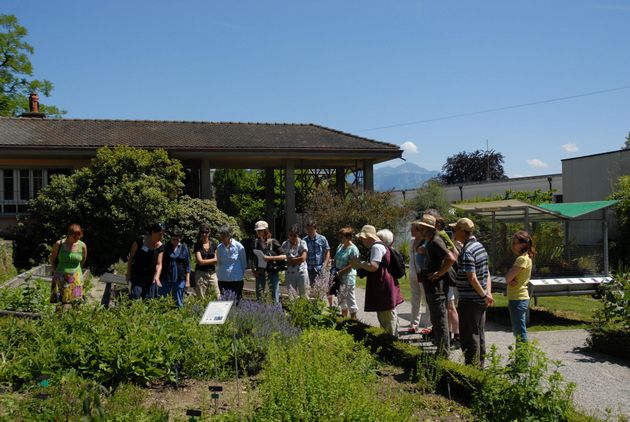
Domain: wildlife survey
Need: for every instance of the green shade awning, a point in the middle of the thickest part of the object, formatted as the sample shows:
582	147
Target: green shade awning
577	209
508	210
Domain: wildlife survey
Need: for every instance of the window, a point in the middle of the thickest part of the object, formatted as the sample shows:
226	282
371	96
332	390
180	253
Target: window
18	186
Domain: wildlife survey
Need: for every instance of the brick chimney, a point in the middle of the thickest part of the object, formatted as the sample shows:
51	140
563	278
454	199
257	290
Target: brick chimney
33	107
33	102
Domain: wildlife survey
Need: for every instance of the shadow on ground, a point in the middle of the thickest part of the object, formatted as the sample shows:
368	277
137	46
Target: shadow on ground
537	317
590	356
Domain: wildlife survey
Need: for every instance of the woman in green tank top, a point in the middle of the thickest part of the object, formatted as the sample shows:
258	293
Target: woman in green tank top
67	257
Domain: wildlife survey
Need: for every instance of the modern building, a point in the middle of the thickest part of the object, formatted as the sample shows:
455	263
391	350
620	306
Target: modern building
593	178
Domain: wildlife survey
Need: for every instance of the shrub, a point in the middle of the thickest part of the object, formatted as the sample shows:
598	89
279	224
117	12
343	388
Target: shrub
382	344
189	213
32	296
77	399
621	250
333	211
610	332
325	376
138	341
7	270
114	199
307	313
523	390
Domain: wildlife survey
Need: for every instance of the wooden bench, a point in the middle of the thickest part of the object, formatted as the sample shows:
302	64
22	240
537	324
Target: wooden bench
111	280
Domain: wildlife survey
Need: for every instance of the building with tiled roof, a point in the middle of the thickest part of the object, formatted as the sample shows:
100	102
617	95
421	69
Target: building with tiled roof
32	148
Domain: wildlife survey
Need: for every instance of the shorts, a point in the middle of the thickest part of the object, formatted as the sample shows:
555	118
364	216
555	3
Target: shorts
452	293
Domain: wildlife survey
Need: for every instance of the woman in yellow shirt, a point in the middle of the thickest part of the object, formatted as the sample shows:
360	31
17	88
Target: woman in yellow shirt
517	280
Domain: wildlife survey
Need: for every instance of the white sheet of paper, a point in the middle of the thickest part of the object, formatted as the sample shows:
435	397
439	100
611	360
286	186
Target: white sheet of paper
261	260
216	312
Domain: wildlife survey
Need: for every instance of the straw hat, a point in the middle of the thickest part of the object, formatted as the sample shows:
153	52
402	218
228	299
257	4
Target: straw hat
368	231
261	225
427	220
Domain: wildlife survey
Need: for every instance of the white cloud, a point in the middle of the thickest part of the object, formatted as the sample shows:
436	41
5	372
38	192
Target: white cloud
535	162
570	147
409	147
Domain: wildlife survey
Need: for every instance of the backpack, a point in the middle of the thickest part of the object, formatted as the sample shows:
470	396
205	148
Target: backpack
396	264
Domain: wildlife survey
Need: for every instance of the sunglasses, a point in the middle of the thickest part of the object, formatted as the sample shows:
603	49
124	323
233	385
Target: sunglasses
205	232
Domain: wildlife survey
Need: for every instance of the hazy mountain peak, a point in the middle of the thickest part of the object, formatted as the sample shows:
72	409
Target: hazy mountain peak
404	176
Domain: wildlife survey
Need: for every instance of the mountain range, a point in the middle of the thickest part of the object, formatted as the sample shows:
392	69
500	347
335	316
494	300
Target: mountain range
405	176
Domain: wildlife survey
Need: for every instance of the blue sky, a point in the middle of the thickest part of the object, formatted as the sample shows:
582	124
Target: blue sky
352	66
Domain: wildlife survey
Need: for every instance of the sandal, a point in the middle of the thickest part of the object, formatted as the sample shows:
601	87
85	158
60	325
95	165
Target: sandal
412	329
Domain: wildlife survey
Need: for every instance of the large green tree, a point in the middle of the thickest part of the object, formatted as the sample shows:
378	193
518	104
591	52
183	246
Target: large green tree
16	71
621	250
475	166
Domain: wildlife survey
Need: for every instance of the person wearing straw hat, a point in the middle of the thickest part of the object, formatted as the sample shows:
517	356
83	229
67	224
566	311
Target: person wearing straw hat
434	278
382	295
270	261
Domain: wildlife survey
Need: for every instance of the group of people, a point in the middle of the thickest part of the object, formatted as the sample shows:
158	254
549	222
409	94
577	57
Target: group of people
161	269
440	269
305	261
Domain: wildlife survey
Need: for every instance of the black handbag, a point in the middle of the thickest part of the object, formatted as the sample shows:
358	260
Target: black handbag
277	265
334	282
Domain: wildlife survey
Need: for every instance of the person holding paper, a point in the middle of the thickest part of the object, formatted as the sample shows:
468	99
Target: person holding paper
270	260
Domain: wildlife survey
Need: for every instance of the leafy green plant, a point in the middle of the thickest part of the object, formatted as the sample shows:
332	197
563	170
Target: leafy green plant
114	199
189	213
325	376
616	301
524	389
621	250
428	372
306	313
77	399
610	332
333	211
32	296
138	341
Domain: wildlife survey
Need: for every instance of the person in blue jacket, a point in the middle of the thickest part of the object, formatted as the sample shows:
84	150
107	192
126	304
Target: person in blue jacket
175	275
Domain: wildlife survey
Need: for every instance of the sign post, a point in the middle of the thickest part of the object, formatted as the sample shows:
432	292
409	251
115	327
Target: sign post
216	314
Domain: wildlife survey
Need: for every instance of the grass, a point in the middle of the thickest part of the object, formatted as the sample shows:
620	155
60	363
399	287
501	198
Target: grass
551	313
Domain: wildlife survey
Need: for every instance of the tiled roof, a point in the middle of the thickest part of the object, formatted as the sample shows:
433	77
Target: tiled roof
36	133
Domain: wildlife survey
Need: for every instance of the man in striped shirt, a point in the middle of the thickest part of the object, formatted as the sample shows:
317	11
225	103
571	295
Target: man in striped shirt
474	287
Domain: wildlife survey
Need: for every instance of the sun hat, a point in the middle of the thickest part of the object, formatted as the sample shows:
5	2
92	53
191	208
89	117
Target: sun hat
261	225
465	224
368	231
427	220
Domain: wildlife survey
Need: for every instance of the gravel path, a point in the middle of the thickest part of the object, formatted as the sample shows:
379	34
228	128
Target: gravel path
602	382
